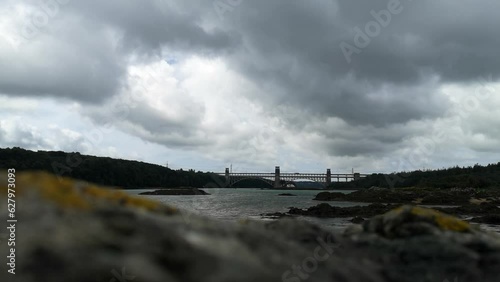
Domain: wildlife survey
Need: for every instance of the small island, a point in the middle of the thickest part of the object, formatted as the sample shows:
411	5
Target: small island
181	191
287	194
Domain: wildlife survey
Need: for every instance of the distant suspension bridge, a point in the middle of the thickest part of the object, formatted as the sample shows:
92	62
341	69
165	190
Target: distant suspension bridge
278	179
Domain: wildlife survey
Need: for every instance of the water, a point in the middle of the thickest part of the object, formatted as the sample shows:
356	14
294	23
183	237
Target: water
244	203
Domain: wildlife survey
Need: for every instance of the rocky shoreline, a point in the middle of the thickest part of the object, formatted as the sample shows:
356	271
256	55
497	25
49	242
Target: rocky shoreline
75	231
325	210
415	196
482	205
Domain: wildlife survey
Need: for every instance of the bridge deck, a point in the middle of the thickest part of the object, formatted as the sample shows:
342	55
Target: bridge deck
333	175
281	178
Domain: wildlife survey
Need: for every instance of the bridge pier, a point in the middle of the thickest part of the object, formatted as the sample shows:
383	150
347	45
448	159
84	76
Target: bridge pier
277	179
228	177
357	176
328	177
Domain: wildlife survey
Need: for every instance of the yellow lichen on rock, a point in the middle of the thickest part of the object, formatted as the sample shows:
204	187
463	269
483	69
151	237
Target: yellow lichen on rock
452	224
70	193
62	191
443	221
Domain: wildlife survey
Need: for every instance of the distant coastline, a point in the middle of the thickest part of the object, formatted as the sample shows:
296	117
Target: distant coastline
131	174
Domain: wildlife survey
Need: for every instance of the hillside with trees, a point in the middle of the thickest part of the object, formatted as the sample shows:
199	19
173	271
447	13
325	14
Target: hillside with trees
476	176
135	174
105	171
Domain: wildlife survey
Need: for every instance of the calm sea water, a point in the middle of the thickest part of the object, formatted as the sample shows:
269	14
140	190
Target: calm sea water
241	203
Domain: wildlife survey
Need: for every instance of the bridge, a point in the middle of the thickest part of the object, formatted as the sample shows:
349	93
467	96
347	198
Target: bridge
278	179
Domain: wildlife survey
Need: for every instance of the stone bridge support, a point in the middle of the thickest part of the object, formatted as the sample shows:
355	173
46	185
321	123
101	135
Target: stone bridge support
228	177
357	176
277	178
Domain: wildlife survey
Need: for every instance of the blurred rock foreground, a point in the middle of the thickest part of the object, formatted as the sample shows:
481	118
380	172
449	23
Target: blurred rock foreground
73	231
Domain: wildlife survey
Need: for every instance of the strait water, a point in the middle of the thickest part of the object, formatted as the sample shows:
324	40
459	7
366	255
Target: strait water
245	203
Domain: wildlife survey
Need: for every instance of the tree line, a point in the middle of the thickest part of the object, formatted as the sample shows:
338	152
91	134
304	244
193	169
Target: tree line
105	171
135	174
476	176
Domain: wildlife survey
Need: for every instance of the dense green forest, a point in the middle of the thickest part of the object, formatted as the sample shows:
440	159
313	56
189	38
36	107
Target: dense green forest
105	171
476	176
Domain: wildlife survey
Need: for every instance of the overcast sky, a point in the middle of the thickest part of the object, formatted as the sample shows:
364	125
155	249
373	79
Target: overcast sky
374	85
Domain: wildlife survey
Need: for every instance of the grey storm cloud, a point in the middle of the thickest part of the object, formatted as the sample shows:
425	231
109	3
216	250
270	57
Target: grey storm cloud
151	124
290	49
24	137
265	40
296	46
151	25
72	55
82	69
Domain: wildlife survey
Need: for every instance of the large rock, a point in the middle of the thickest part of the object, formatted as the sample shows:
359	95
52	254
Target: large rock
425	245
327	211
73	231
409	221
329	196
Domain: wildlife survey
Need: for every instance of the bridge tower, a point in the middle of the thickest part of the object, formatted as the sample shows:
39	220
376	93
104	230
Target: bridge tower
228	177
277	179
328	177
357	176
